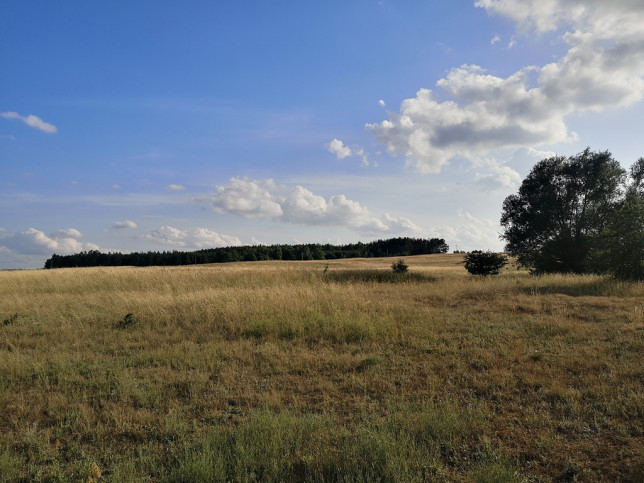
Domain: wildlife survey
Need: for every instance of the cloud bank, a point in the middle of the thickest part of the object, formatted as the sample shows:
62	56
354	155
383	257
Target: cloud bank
190	239
603	68
250	198
32	121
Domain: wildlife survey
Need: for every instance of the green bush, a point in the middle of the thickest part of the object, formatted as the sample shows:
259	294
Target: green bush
128	321
485	263
400	266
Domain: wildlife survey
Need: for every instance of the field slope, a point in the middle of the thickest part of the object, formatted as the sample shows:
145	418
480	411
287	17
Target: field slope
315	371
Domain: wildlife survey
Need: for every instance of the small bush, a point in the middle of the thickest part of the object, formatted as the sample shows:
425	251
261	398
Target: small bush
127	321
400	266
485	263
10	320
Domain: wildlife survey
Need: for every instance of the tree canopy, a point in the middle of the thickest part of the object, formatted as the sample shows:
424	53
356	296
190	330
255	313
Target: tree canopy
561	207
621	251
578	215
478	262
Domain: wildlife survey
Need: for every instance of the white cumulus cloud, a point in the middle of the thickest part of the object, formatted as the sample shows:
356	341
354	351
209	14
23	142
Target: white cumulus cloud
36	242
32	121
247	198
338	148
190	239
254	199
603	68
305	207
616	19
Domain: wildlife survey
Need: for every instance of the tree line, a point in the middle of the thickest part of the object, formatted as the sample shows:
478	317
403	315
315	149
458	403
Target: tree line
393	247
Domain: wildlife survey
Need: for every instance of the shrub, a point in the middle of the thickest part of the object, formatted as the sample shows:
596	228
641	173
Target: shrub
485	263
127	321
400	266
10	320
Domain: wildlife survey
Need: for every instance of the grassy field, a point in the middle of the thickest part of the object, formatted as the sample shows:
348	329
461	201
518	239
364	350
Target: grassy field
308	371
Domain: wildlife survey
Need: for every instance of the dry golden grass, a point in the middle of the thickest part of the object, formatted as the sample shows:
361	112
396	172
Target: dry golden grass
319	371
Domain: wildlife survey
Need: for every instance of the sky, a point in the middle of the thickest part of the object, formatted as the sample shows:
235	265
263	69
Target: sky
159	125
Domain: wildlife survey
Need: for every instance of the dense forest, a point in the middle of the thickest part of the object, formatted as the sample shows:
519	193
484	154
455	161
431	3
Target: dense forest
394	247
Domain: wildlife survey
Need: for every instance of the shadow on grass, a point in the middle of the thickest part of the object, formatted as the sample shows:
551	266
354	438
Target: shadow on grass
375	276
574	286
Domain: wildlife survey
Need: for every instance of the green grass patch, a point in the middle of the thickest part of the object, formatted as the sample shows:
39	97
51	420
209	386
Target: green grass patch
426	443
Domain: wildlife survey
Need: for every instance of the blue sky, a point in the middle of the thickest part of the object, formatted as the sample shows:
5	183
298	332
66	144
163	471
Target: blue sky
138	126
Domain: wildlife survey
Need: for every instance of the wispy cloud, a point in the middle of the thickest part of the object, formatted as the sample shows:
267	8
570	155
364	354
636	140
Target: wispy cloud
499	177
524	158
123	225
342	151
32	121
471	233
176	187
67	233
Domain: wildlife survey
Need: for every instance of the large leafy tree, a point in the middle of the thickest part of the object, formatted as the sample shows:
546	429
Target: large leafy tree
562	207
622	251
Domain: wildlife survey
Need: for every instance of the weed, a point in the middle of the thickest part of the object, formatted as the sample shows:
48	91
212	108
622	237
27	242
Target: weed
366	363
94	474
128	321
256	331
496	473
10	320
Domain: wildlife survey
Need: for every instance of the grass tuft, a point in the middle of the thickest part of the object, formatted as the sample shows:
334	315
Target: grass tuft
10	320
128	321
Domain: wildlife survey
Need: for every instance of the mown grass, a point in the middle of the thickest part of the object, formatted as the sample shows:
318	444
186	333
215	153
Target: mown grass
303	372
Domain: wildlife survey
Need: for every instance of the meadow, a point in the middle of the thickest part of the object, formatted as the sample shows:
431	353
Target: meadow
320	371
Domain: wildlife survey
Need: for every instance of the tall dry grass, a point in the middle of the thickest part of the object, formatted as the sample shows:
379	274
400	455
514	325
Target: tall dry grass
319	371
